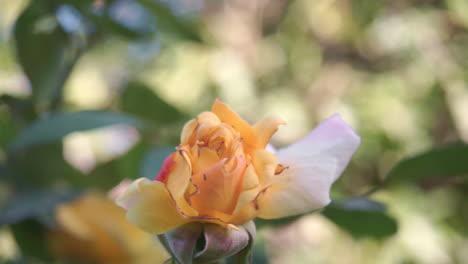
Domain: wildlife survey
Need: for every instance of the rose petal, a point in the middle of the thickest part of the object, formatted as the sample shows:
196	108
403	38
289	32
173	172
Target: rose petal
250	180
312	165
228	116
166	168
265	165
151	207
266	128
271	148
178	179
188	132
218	189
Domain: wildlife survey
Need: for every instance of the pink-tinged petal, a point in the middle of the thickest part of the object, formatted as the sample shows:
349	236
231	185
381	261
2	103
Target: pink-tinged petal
178	178
311	166
166	168
151	207
271	148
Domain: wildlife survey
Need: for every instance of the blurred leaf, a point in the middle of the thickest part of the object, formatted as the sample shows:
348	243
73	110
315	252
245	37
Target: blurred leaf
129	164
153	160
365	11
7	127
42	166
29	236
447	162
259	254
17	260
117	28
139	100
107	25
260	223
44	52
55	127
170	23
20	110
3	171
33	205
361	217
113	172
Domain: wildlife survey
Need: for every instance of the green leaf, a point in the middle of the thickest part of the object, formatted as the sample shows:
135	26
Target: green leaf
139	100
7	127
44	52
30	237
55	127
17	260
361	217
129	164
113	172
153	161
106	24
33	205
446	162
42	166
170	23
3	171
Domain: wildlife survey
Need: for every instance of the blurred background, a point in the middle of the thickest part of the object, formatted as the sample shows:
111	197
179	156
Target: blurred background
94	92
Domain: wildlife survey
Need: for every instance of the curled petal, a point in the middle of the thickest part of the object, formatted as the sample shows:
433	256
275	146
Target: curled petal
228	116
311	165
166	169
266	128
151	207
179	176
187	135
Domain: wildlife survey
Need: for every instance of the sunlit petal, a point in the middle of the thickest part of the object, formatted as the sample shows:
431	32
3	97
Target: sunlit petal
311	166
266	128
228	116
151	207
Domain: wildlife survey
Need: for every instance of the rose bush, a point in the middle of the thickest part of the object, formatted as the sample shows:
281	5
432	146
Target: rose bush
222	173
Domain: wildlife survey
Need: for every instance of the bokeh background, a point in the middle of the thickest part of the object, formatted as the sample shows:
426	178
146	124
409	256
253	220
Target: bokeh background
94	92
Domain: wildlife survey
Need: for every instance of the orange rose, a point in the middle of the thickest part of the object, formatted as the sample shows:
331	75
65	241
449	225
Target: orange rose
92	229
221	173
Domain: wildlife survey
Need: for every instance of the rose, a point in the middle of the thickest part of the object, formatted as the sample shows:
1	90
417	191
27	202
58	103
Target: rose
92	229
222	173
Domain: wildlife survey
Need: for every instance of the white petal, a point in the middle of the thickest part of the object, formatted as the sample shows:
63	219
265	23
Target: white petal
271	148
313	164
